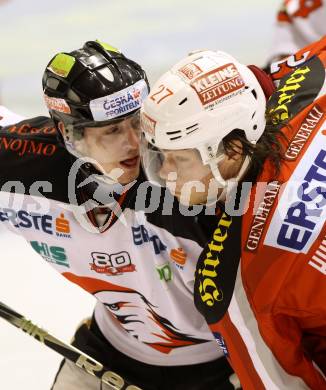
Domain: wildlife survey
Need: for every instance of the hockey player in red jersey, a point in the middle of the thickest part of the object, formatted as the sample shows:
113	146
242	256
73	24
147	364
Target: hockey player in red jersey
75	177
298	23
260	281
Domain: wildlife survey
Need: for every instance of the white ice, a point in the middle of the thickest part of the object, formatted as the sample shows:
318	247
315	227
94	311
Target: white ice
31	287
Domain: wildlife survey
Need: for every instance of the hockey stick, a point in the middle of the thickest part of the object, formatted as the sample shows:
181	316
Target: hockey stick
83	361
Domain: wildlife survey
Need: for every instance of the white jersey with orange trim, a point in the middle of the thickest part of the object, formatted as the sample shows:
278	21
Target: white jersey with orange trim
299	23
261	279
140	266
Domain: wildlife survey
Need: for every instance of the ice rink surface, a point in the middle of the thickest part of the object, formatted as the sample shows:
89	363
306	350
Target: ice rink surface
154	33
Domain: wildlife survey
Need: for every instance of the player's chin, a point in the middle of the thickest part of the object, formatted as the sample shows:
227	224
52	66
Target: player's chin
177	194
191	198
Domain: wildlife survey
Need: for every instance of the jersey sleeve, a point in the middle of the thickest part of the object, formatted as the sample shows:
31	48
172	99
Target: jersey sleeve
281	68
298	23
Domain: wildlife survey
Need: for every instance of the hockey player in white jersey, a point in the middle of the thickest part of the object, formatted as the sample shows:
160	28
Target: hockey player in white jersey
138	262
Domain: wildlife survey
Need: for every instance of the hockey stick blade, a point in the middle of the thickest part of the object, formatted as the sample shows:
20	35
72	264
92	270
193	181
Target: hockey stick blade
82	360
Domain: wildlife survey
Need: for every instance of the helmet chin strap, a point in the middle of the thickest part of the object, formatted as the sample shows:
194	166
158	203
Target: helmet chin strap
226	185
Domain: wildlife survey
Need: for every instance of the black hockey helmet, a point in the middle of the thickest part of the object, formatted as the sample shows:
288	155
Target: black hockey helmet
74	82
92	87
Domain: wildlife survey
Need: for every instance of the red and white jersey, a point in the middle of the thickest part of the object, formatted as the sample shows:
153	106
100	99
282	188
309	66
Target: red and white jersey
299	23
261	280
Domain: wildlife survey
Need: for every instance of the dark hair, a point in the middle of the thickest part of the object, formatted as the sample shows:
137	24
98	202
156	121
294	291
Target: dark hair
269	146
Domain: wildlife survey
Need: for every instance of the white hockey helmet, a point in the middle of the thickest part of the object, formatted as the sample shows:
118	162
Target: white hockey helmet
198	102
